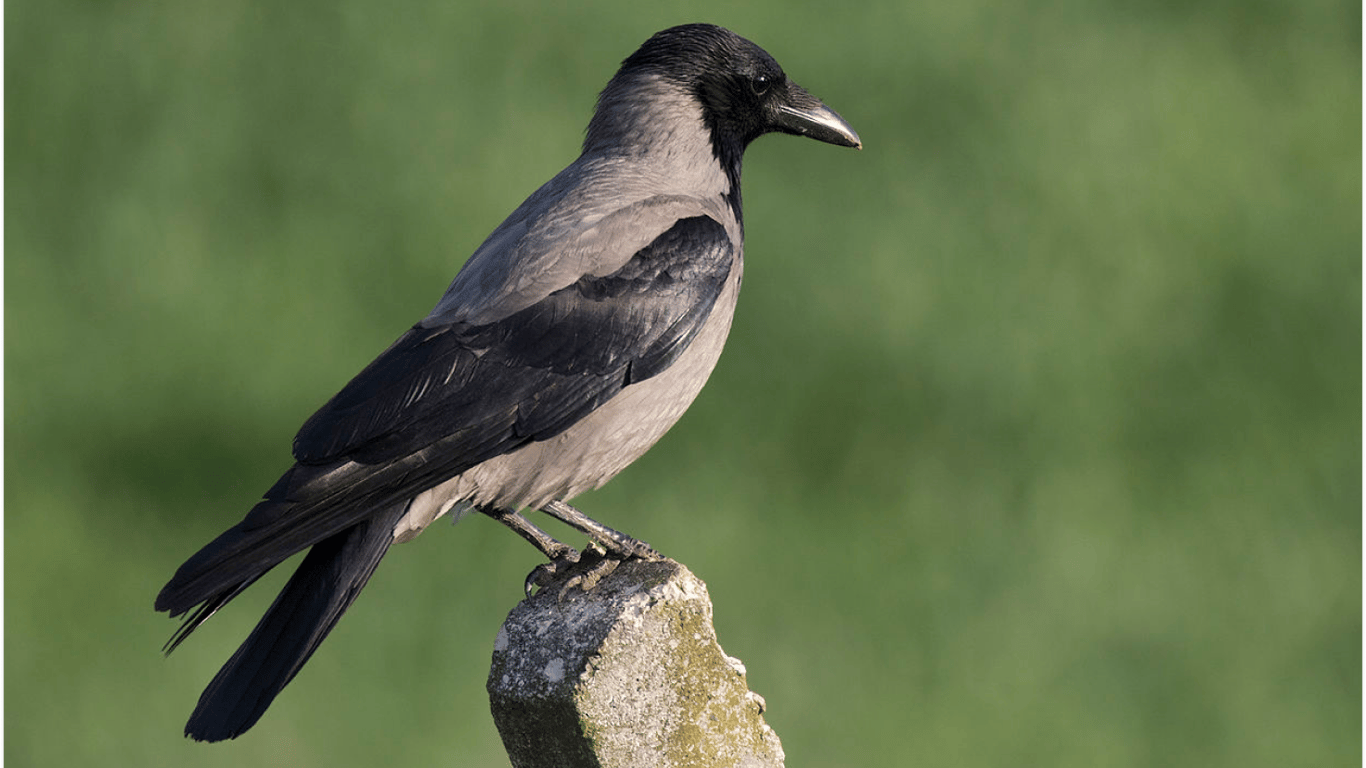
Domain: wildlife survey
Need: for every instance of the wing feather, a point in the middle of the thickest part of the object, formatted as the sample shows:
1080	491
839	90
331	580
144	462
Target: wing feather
550	363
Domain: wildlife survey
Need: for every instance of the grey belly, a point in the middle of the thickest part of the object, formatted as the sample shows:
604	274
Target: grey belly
592	451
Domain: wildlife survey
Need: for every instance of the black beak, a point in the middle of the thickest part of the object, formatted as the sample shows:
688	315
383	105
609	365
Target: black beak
804	115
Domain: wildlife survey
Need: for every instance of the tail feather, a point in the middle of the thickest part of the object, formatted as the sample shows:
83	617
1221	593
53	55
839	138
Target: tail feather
305	506
328	580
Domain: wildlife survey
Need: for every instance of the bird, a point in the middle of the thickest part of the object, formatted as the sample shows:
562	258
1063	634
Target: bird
567	344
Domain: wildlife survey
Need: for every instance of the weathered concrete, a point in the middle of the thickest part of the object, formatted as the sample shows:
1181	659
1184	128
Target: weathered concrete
626	674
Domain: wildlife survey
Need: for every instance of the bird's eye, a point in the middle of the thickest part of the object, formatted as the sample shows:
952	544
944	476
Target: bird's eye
759	84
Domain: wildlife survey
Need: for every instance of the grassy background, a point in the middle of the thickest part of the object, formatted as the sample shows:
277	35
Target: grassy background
1037	441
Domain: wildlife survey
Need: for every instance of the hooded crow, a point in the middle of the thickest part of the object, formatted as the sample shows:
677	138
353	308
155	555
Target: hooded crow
570	341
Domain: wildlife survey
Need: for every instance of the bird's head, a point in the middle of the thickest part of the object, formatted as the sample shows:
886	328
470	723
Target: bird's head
740	89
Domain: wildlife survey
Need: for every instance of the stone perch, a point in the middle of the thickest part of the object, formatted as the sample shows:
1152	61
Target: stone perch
627	673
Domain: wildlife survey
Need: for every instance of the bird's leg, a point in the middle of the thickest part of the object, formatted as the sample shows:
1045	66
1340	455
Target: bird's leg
551	548
616	542
561	555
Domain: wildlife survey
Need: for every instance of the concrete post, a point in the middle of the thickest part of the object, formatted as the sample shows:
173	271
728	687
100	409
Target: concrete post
627	673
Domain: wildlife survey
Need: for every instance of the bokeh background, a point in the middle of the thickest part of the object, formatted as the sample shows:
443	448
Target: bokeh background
1037	441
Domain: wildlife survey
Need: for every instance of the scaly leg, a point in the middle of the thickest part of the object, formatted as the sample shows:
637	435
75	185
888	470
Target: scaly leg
616	542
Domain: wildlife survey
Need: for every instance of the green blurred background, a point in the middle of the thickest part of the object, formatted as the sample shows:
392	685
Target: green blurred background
1037	441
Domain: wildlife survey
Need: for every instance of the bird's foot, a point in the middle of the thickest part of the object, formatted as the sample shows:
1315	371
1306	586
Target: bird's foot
592	568
546	574
586	570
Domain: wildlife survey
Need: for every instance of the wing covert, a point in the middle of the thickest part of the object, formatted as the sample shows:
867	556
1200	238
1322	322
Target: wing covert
534	373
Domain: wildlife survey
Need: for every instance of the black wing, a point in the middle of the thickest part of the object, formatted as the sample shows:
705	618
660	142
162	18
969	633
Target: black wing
532	374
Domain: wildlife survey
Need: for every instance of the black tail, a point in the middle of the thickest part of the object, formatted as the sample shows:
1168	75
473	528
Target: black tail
327	581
